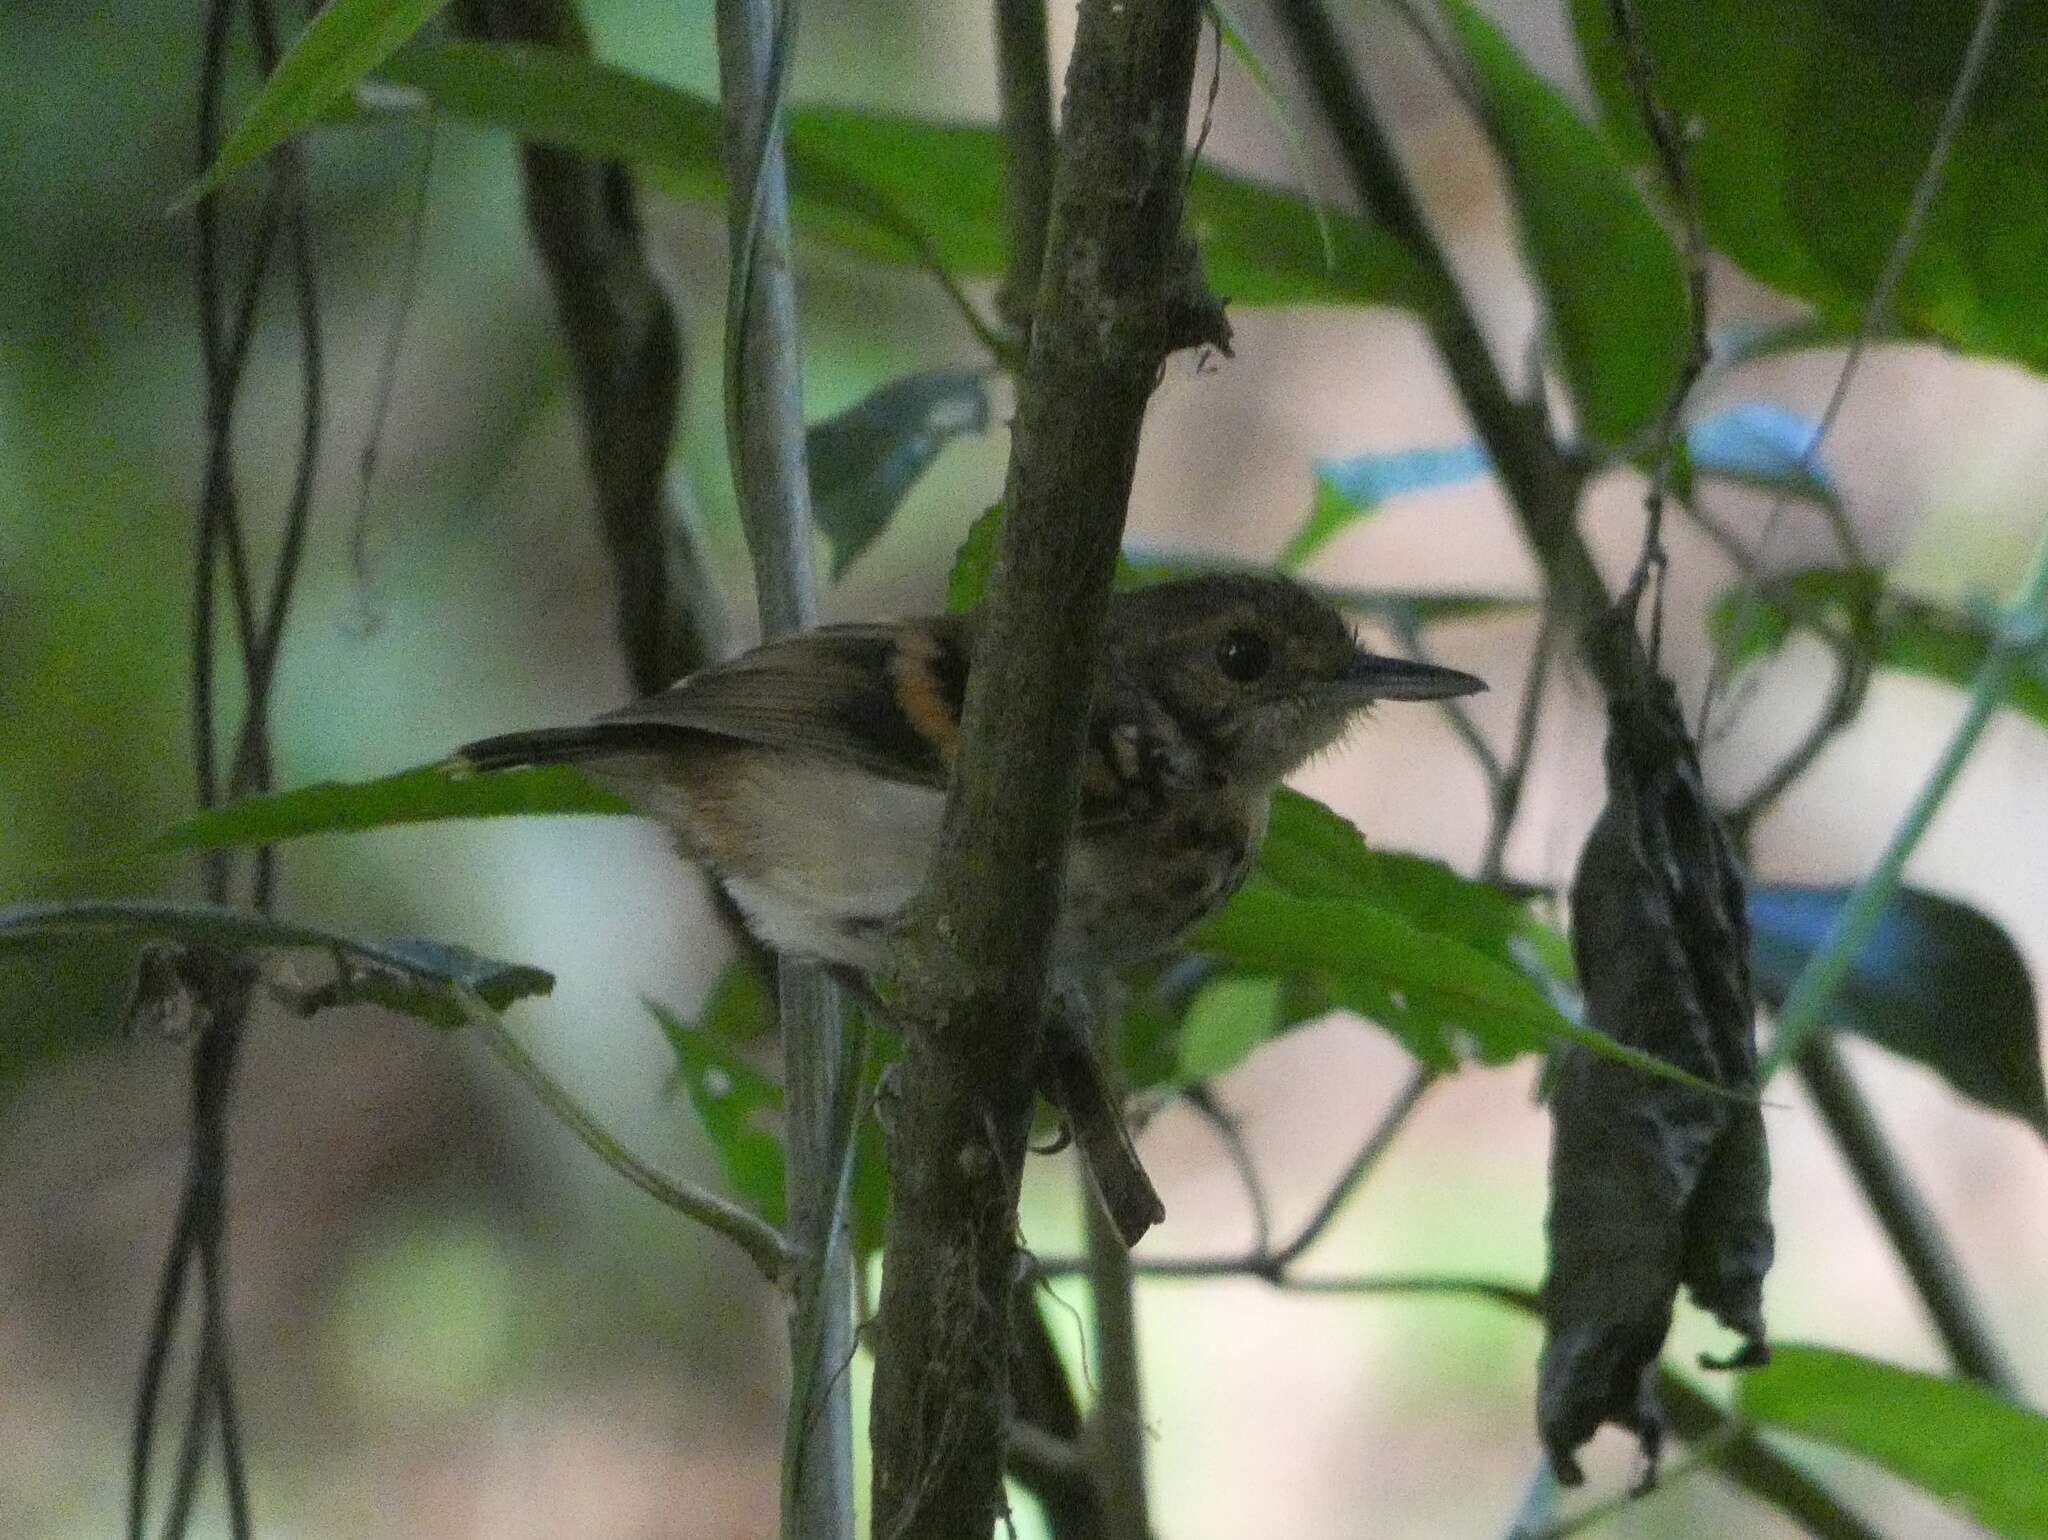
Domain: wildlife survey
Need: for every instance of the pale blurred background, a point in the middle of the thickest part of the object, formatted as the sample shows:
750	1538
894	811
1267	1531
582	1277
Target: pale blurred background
450	1321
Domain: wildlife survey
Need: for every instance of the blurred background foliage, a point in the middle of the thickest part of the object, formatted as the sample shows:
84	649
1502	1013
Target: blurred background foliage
452	1323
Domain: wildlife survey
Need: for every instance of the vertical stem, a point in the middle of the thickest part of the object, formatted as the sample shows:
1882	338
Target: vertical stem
1117	1427
1024	69
765	431
1914	1233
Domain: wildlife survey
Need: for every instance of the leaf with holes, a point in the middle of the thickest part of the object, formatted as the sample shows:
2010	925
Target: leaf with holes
864	461
736	1103
1937	982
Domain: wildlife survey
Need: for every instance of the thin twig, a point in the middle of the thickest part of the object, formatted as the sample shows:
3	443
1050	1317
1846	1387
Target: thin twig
1915	1235
1231	1134
1261	1261
761	1241
1812	994
1513	779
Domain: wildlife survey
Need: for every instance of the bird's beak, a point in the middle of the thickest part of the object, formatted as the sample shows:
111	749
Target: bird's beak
1372	677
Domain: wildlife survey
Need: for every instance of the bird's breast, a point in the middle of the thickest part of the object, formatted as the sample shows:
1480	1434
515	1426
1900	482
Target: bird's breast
1135	888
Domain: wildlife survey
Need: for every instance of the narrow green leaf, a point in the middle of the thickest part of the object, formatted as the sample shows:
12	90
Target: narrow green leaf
734	1101
1611	274
429	980
425	794
1227	1019
893	188
341	44
864	461
1964	1444
1903	990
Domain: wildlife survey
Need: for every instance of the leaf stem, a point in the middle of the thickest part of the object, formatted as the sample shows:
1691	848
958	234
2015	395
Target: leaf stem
761	1241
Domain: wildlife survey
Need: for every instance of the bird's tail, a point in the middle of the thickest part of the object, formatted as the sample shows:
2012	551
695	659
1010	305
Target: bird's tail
568	745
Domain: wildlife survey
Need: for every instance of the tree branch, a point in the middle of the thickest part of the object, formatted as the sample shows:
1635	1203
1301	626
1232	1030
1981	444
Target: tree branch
1118	293
628	350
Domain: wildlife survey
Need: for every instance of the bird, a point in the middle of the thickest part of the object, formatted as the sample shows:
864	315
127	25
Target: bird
808	777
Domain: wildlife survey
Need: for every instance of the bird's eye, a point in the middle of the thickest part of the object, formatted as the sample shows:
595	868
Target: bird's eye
1244	656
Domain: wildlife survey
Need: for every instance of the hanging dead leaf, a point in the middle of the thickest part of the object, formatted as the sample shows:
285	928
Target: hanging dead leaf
1654	1184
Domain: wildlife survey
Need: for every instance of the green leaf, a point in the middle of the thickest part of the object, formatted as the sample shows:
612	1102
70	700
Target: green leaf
343	42
1352	488
866	459
1937	982
1277	108
1418	984
977	554
734	1101
1612	277
1912	635
426	794
1314	852
1225	1021
1808	124
1964	1444
976	557
892	188
433	981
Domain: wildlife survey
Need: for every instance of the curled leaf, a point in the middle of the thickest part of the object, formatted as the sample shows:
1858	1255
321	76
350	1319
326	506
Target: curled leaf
1654	1183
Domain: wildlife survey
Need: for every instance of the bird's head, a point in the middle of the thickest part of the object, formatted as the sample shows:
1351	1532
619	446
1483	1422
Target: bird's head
1259	671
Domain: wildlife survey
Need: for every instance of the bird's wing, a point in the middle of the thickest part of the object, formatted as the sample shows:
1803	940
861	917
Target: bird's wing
884	697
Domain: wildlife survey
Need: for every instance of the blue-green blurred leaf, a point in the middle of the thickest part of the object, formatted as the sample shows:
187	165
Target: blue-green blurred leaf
736	1103
1611	274
345	40
429	980
1762	444
1968	1446
889	187
1356	486
866	459
1809	123
1226	1020
1937	982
